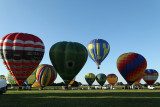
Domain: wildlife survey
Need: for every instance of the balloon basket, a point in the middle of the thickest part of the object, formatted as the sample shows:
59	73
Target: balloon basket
20	88
98	67
41	88
65	87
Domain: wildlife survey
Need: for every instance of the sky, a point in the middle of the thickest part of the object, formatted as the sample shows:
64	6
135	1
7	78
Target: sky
127	25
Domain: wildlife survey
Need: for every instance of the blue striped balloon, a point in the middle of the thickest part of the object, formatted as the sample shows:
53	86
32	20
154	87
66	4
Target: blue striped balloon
98	50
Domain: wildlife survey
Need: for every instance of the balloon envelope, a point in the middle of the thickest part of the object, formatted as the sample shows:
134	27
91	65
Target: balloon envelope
98	50
31	79
71	82
21	53
45	75
90	78
150	76
36	84
101	78
112	79
131	66
68	58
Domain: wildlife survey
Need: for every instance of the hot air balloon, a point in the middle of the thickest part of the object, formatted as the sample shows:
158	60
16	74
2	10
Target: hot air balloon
45	75
31	79
36	84
74	84
112	79
10	79
68	58
150	76
21	53
98	50
131	66
71	82
101	78
90	78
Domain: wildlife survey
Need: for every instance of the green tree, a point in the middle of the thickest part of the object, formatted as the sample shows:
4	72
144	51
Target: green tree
79	83
145	85
157	83
120	83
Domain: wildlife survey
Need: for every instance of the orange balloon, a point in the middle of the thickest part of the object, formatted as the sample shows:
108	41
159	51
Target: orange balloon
112	79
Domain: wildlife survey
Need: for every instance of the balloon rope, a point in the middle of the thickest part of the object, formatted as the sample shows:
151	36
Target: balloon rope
20	88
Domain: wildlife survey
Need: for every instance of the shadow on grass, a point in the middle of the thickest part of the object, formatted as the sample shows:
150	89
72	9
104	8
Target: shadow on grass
94	99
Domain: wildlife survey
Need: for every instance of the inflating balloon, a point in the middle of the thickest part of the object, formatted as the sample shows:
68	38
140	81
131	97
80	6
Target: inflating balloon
45	75
90	78
21	53
98	50
31	79
71	82
131	66
68	58
150	76
36	84
74	84
112	79
101	78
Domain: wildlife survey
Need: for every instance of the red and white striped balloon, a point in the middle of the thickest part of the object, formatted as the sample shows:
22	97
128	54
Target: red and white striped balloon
150	76
21	53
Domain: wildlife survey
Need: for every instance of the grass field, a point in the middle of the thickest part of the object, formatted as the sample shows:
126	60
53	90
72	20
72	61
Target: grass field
80	98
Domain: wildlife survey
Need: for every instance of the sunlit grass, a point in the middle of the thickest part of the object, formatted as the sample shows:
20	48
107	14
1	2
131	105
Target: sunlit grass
79	98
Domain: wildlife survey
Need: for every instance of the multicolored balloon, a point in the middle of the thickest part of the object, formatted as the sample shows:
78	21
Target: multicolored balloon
71	82
36	84
68	58
131	66
150	76
74	84
112	79
90	78
21	53
10	79
45	75
101	78
98	50
31	79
